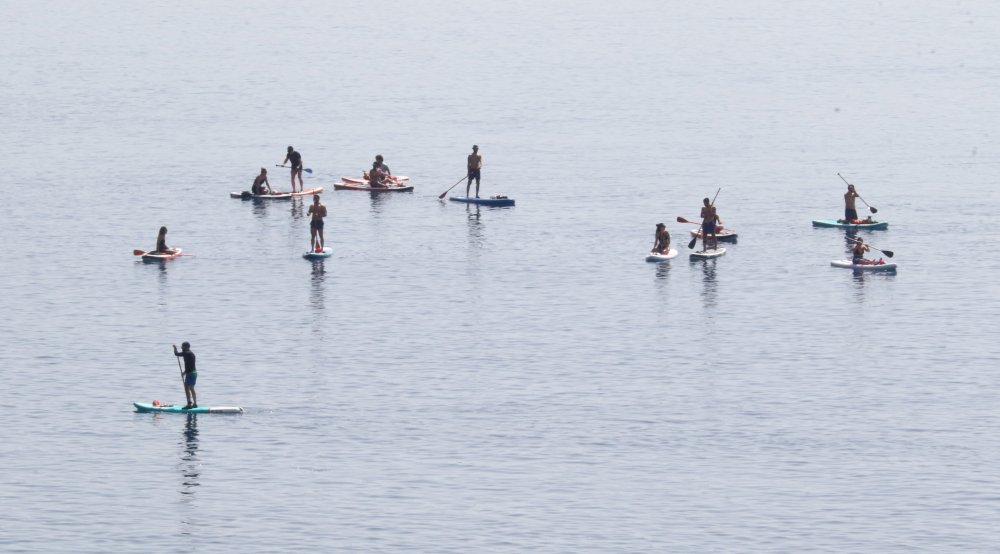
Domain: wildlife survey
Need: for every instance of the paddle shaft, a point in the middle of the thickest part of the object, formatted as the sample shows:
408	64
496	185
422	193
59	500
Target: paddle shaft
888	253
694	241
306	169
453	186
873	210
179	366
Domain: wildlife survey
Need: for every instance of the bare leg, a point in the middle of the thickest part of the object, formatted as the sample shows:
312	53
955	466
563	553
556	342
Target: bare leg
194	398
312	238
187	393
322	243
468	185
302	186
293	180
477	187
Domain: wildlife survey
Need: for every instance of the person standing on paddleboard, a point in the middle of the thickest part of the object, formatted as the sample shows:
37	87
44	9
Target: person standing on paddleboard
190	374
296	160
318	212
261	179
661	241
850	212
709	217
474	164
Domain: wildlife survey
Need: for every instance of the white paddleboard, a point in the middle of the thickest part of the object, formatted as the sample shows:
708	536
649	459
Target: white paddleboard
847	264
653	257
704	254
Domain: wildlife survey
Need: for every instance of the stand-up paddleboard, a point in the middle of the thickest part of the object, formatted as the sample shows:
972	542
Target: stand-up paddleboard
654	257
705	254
247	195
726	235
312	255
847	264
492	201
364	187
141	407
355	181
873	226
154	257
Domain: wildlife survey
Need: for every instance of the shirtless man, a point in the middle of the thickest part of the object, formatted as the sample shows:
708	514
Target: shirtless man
296	160
376	177
709	217
850	213
318	212
261	179
661	242
473	165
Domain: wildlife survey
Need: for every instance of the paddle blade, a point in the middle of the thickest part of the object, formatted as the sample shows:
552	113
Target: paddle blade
681	220
138	252
873	209
441	196
307	170
888	253
692	243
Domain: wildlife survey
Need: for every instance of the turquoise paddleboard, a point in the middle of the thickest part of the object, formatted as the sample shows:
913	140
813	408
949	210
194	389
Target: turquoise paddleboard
141	407
326	253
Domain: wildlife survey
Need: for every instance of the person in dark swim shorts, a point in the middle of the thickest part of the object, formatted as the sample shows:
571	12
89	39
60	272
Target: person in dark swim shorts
296	160
190	374
708	219
473	164
318	212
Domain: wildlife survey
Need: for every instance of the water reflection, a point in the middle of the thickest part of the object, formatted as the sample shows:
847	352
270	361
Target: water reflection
190	466
259	207
377	200
298	207
477	235
316	291
709	292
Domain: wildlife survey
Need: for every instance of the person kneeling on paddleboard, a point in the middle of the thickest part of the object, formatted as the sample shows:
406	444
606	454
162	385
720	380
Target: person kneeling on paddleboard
190	374
661	241
260	184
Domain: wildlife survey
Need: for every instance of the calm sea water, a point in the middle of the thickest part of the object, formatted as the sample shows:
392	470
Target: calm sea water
461	379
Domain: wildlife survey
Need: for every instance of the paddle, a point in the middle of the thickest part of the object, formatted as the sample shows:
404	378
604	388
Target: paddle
138	252
306	169
694	240
441	196
888	253
872	209
178	363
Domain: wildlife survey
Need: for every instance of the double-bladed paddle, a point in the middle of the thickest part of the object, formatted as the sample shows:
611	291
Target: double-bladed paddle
871	208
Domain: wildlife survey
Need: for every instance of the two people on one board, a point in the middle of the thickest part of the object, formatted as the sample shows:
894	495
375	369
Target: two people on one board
317	211
850	212
295	159
379	175
473	166
161	243
661	242
190	374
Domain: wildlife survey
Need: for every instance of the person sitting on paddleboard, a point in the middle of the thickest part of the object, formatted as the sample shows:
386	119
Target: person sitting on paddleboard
376	178
379	161
161	242
190	374
858	253
709	217
661	242
260	184
850	213
474	165
318	212
296	159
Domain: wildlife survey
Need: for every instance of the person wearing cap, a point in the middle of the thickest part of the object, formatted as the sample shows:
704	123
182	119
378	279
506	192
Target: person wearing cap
190	374
661	241
474	164
296	160
260	184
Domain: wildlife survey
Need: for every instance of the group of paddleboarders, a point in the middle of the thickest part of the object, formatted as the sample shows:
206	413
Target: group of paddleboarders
710	225
379	176
859	247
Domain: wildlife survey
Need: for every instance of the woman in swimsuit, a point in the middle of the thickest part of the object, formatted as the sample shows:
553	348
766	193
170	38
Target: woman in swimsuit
661	241
161	242
858	253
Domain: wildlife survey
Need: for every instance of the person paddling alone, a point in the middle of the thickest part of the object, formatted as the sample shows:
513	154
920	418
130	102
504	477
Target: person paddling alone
661	242
161	242
709	217
190	374
850	212
296	160
474	164
260	184
318	212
